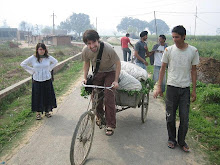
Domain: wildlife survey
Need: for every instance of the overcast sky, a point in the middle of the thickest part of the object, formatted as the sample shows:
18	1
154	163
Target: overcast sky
110	13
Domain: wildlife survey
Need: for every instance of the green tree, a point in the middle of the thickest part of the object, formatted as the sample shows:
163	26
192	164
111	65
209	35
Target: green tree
47	30
77	23
162	27
131	25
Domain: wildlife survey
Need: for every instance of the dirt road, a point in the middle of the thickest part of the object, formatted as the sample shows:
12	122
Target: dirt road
133	143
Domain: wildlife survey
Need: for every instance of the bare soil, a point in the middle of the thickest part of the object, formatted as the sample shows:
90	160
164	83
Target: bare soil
208	70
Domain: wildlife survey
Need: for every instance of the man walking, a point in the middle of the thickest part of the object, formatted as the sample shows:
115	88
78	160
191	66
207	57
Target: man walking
124	45
181	59
141	50
156	55
108	74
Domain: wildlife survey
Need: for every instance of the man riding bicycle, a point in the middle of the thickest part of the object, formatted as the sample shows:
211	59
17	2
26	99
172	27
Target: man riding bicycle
107	75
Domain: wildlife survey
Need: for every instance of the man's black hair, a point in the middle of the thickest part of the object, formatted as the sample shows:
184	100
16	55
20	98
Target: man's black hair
90	35
143	33
127	35
179	30
163	36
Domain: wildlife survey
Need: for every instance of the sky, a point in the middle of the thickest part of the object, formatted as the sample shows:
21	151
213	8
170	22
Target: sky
109	13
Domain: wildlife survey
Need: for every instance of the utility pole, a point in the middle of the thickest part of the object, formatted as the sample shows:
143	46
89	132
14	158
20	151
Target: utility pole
195	23
53	24
155	21
96	25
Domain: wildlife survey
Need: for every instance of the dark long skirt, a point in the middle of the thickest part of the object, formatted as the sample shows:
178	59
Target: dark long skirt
43	96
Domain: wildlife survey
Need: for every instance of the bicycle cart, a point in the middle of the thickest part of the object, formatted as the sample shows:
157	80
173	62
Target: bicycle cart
84	131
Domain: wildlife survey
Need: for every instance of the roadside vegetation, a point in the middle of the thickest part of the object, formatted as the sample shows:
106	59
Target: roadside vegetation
204	124
10	69
16	113
15	109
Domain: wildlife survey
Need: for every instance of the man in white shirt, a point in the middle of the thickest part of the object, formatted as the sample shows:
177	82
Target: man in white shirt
181	59
156	56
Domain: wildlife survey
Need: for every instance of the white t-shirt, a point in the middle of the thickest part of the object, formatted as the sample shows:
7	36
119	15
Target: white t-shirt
158	55
40	71
179	64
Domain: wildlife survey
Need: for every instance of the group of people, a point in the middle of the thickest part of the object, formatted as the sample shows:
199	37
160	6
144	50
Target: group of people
179	60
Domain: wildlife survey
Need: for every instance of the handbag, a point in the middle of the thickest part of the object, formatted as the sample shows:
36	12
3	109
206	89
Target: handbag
90	77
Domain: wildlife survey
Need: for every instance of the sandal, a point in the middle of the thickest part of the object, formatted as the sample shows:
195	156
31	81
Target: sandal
48	115
38	117
185	148
109	131
98	122
171	144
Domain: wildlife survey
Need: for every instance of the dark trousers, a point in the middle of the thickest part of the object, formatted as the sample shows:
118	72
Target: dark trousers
126	51
177	98
106	79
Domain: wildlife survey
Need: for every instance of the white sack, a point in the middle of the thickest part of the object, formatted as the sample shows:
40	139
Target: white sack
128	82
134	70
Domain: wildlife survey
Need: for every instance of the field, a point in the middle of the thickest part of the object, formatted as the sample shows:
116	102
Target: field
10	59
15	112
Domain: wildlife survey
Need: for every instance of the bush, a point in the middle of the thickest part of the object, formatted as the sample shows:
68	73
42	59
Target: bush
211	95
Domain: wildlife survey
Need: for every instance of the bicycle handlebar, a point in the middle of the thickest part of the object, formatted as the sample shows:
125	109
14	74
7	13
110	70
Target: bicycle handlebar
96	86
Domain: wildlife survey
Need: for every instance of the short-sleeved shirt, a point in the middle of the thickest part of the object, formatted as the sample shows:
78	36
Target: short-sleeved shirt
180	64
140	48
158	55
109	58
124	42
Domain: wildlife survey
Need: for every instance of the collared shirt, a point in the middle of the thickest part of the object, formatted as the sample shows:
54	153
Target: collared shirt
41	71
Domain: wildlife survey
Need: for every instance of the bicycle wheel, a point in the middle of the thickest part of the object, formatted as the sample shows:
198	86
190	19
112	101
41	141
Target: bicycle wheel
144	107
82	138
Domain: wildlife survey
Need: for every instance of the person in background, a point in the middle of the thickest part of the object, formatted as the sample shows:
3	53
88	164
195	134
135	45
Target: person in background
107	75
141	50
124	45
40	66
181	59
156	55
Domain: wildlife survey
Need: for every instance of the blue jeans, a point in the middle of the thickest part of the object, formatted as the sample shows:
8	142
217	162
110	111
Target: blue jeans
125	51
156	77
142	65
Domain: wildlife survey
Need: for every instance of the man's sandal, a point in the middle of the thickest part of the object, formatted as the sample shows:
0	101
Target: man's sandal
48	115
98	122
109	131
171	144
185	148
38	117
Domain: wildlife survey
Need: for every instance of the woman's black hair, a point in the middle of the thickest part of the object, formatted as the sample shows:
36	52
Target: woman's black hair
43	46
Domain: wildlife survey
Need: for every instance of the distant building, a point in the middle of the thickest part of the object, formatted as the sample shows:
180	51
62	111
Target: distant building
57	40
8	33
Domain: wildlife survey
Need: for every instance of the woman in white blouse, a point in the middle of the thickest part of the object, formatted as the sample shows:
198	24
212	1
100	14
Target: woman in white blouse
40	66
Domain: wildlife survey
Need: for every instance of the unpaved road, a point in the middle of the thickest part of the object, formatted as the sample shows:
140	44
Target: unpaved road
133	143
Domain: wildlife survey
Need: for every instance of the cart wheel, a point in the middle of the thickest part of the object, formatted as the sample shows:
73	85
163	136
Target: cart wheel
144	107
82	138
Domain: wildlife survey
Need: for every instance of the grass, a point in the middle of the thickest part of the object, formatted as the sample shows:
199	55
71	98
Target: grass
10	59
204	124
16	113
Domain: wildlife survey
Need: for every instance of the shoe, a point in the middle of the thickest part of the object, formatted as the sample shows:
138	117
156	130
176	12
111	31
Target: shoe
48	115
38	117
109	131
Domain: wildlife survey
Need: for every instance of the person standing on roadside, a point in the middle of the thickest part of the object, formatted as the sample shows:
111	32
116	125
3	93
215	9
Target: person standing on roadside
141	50
40	66
124	45
156	55
181	59
107	75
